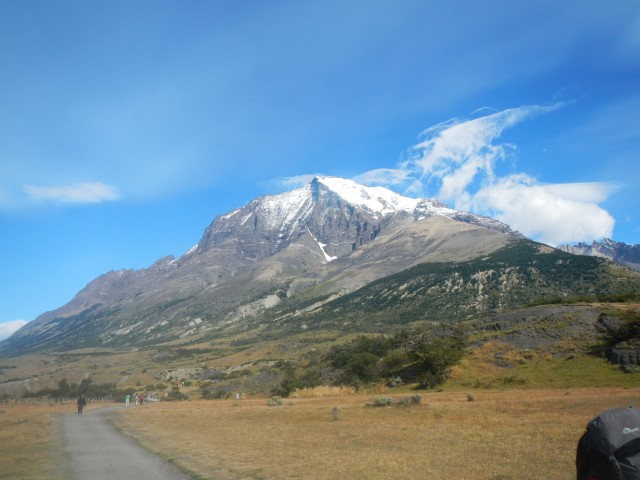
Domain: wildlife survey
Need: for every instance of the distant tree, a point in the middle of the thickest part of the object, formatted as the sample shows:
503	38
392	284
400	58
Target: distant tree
85	385
433	358
296	379
63	388
360	367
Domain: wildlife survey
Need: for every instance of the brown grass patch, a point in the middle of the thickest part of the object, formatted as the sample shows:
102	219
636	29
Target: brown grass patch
30	442
500	435
323	392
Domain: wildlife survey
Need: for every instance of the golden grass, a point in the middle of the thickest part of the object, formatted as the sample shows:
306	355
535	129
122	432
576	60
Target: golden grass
323	392
516	434
31	443
535	370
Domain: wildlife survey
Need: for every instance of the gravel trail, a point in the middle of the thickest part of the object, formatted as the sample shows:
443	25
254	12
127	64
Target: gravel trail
97	451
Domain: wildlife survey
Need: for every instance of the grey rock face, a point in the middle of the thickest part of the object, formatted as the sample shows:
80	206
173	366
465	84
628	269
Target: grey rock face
270	224
624	356
619	252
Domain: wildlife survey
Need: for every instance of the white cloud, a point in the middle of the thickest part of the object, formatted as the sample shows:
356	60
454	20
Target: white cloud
457	159
8	328
384	176
553	214
452	154
286	183
81	193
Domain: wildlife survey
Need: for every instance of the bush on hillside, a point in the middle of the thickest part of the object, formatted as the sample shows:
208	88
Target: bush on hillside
72	390
175	395
296	379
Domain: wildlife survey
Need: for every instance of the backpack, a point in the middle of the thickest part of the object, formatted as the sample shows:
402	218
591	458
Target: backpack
610	448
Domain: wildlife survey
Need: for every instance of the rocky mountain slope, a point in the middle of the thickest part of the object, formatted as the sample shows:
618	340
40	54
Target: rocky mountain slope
628	255
331	253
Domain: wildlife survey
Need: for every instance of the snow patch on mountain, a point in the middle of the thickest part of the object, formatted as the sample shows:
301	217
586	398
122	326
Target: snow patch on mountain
244	219
430	208
327	257
283	211
377	200
230	214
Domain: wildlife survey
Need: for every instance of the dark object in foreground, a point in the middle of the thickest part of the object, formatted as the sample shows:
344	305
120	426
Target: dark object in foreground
610	448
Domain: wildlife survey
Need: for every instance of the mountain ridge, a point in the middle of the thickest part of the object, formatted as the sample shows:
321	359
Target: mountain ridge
619	252
311	245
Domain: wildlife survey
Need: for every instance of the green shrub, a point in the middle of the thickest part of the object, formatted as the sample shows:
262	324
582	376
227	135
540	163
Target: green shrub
409	401
274	401
395	382
175	394
211	392
292	379
382	402
408	357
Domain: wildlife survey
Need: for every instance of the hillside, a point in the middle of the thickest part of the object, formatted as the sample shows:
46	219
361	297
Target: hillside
273	288
332	232
520	273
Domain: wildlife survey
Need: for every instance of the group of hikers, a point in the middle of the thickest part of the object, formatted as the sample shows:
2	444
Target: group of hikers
138	398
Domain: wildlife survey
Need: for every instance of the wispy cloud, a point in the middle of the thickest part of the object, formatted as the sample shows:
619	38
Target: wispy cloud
8	328
285	183
81	193
385	176
455	162
452	155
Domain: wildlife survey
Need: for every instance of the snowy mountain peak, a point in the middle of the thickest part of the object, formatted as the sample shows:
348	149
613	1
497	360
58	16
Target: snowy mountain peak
339	214
284	208
377	200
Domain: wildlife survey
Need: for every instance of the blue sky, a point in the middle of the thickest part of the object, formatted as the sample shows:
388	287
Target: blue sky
126	127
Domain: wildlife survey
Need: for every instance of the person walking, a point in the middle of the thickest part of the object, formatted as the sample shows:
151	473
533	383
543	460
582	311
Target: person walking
126	399
81	403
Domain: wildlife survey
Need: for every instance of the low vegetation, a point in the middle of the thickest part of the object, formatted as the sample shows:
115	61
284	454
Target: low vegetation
517	275
407	357
487	434
488	399
498	435
71	390
487	355
418	358
32	442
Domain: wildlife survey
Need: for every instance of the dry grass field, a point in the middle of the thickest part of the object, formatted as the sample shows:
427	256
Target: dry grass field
31	443
509	434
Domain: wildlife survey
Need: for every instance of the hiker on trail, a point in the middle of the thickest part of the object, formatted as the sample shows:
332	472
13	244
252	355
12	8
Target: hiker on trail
81	403
126	399
136	398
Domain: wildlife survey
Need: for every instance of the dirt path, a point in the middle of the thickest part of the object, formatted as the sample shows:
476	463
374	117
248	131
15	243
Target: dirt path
99	452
